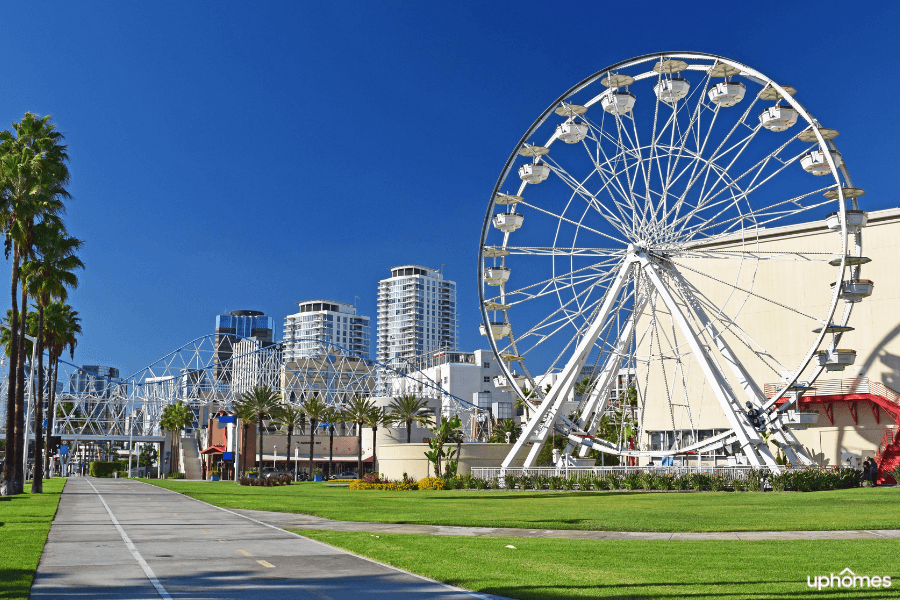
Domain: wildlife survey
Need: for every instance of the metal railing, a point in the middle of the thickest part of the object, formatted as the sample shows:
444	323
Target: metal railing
839	387
728	472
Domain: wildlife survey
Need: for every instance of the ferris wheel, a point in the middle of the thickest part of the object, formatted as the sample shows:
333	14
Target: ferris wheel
637	233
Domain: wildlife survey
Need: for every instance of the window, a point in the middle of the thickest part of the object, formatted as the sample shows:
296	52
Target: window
487	364
487	379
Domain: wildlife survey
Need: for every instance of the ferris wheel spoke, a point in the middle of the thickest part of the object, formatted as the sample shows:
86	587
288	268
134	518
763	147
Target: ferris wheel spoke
565	251
575	223
558	282
784	255
579	189
746	291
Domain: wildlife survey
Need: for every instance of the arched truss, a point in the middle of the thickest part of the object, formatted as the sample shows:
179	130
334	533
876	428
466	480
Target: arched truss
207	375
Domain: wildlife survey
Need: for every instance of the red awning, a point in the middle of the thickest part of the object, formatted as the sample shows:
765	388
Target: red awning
214	450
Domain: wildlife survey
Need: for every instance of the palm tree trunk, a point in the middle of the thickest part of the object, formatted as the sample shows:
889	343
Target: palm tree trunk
22	449
312	444
9	469
330	449
37	484
51	408
359	471
246	427
287	451
259	428
374	457
408	430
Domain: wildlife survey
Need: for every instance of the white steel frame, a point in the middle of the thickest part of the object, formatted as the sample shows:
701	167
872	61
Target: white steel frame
705	175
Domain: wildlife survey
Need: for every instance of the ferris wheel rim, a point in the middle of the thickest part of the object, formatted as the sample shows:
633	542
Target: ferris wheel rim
745	71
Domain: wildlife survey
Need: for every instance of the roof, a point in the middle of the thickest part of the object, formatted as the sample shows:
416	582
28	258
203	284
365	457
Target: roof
214	450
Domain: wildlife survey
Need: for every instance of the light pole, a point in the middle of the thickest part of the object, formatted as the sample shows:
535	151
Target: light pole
296	458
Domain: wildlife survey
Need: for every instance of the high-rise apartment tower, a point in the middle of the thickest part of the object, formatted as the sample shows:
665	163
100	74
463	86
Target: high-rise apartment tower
241	324
321	323
416	313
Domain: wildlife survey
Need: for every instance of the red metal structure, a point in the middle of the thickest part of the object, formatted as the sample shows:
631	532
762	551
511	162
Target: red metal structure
852	392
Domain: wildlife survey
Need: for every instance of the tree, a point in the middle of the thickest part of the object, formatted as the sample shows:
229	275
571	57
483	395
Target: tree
449	431
356	410
175	417
47	277
375	418
261	402
314	408
409	409
289	418
147	457
504	427
33	176
332	415
61	330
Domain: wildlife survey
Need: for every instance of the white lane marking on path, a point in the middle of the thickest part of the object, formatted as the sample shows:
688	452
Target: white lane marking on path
134	551
292	534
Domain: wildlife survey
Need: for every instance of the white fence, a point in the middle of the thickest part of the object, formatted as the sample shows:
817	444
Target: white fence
729	473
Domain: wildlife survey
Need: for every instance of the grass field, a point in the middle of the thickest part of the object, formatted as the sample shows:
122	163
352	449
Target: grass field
551	569
862	508
24	523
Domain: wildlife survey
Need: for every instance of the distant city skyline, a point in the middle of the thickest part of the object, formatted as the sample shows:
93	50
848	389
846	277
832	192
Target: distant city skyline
252	158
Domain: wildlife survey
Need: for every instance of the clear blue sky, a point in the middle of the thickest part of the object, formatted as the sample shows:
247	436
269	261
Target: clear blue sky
237	155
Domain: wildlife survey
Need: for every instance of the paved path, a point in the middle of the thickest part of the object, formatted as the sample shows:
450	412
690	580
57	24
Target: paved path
121	539
297	521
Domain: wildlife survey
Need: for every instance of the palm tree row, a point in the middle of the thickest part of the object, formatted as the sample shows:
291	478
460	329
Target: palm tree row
33	180
265	403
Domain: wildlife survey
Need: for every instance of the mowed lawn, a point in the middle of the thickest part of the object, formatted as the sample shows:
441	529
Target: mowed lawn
862	508
24	524
551	569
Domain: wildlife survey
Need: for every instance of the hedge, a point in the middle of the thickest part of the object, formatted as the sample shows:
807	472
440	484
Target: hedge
103	469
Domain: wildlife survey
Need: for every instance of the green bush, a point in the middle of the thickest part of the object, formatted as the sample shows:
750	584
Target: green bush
600	483
510	480
701	482
614	481
103	469
569	483
665	482
541	482
739	484
718	483
584	482
682	482
779	482
631	481
175	476
648	481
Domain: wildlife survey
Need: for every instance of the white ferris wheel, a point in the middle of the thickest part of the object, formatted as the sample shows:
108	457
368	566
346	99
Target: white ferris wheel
627	237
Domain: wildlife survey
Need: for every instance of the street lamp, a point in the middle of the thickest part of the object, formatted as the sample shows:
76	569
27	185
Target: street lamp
296	458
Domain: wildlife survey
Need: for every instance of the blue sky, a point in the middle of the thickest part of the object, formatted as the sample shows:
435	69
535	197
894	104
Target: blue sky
230	155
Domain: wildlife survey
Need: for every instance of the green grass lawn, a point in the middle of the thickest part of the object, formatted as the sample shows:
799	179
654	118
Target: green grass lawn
557	568
862	508
24	524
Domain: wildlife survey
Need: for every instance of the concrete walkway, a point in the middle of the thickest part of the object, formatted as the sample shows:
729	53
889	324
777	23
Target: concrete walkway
297	521
121	539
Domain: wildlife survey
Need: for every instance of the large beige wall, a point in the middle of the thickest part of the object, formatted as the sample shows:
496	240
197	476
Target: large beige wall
787	334
396	459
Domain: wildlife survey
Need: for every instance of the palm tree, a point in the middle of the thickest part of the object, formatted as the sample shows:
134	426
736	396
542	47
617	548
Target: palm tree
356	411
315	409
375	418
408	409
504	427
261	402
33	176
246	417
290	418
60	330
332	415
48	276
175	417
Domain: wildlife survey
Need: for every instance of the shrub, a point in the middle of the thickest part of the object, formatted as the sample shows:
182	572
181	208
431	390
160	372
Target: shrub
432	483
479	483
601	483
631	481
495	483
526	482
541	482
175	476
700	482
614	481
665	482
584	482
739	484
755	480
390	486
103	469
510	480
779	481
647	481
569	483
717	483
682	482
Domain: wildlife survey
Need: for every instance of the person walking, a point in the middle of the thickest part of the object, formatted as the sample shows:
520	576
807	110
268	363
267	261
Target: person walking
873	472
866	470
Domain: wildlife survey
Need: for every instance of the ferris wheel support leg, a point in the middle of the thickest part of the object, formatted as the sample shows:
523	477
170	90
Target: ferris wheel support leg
753	446
599	397
541	423
750	387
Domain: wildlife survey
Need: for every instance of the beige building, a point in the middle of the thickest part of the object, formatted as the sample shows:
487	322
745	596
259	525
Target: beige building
774	303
